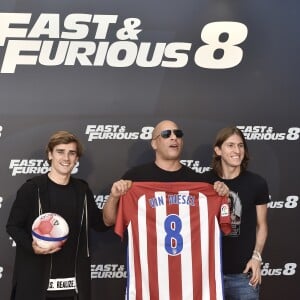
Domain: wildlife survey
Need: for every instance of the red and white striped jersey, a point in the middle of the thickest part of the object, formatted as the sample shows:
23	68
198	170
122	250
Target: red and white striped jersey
174	250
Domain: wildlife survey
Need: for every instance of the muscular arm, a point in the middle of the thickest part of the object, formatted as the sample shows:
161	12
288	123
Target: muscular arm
110	208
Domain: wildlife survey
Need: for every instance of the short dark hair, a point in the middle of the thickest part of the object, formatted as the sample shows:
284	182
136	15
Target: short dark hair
64	137
221	137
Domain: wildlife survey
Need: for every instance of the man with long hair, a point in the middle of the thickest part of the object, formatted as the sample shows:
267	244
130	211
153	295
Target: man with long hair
249	195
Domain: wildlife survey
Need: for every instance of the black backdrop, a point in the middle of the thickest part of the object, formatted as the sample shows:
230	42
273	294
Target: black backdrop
109	70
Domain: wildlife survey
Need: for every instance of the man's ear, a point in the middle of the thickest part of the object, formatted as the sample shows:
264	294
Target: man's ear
153	144
49	155
217	150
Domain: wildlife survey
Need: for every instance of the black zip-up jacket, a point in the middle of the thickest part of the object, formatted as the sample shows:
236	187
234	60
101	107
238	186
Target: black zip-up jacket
31	271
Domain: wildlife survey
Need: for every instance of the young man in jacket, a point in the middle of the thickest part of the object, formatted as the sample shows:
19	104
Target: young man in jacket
59	272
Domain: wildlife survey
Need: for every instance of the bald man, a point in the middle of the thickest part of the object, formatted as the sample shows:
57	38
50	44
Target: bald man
167	143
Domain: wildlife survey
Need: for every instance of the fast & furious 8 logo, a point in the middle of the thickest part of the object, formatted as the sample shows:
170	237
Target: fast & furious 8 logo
267	133
116	132
289	269
33	166
50	40
291	201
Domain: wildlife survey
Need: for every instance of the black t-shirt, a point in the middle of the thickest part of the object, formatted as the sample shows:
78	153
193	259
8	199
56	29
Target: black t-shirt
151	172
63	202
246	191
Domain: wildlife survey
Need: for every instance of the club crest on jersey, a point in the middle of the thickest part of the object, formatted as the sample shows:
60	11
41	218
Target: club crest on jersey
224	210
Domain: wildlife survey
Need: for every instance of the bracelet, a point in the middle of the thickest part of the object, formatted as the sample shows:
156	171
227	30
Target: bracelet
257	255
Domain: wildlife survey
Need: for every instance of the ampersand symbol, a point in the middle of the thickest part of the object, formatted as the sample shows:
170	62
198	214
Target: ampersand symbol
129	31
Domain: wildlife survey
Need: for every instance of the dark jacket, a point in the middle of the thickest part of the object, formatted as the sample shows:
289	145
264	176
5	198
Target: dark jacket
31	271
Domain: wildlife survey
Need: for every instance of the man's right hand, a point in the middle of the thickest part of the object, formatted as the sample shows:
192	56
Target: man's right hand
119	188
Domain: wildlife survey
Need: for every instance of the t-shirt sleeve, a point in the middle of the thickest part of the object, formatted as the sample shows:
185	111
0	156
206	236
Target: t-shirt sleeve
263	195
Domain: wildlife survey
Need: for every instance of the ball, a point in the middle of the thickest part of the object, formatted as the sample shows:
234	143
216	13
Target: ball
50	230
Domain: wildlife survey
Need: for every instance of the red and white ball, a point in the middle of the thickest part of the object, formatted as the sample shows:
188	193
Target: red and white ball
50	230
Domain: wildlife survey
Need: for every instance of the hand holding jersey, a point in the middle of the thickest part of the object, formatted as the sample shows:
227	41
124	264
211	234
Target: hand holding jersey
120	187
173	240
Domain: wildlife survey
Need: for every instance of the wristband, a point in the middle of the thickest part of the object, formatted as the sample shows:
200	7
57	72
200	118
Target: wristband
257	254
256	257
